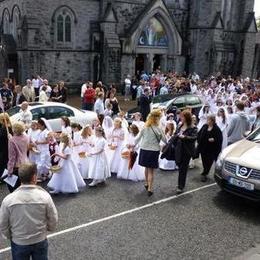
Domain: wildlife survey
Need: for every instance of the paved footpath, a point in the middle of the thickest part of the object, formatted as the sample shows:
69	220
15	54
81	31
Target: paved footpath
119	221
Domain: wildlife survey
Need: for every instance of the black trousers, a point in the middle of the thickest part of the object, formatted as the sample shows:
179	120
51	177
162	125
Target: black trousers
18	182
89	106
207	162
183	169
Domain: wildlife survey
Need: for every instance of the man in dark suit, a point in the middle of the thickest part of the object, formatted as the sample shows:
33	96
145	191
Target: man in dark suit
18	97
145	101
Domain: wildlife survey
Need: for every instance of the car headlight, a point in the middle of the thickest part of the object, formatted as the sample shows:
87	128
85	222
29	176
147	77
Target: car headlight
220	162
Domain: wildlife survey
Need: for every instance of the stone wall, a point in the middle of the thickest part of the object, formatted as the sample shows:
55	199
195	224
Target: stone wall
38	51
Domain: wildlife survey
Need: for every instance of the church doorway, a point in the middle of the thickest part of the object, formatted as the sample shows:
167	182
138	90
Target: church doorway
156	62
139	64
13	66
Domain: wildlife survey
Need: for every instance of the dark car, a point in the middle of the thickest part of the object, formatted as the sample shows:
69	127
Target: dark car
171	103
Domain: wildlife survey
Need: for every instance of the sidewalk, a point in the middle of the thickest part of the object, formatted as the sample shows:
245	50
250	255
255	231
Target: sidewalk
252	254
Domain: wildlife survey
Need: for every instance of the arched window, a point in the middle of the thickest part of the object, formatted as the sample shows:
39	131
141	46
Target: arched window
67	29
153	34
16	14
15	25
226	12
63	28
6	21
60	28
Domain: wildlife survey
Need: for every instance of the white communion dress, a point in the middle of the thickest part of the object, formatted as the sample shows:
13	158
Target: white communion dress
137	171
117	135
68	179
99	167
43	160
84	163
33	136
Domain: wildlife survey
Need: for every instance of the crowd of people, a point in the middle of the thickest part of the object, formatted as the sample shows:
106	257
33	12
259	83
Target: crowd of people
87	155
36	89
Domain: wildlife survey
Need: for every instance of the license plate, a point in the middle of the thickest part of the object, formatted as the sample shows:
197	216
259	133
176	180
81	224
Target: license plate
241	184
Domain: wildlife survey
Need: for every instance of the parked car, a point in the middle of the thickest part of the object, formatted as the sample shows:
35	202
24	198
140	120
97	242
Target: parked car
238	168
171	103
53	112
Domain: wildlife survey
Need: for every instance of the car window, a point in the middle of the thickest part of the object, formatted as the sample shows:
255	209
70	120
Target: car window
39	112
162	98
57	112
179	102
192	100
14	110
255	136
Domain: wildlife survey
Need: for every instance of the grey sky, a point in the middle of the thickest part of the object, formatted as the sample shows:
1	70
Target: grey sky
257	8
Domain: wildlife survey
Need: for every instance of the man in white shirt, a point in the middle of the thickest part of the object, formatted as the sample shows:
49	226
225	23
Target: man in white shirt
36	85
99	104
26	216
193	87
127	87
28	91
164	90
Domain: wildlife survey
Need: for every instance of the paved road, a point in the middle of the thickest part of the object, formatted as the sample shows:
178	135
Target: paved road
202	224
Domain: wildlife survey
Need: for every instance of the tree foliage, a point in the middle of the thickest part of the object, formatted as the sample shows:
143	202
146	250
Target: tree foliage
258	23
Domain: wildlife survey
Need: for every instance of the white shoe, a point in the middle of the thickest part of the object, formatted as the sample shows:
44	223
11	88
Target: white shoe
93	183
53	192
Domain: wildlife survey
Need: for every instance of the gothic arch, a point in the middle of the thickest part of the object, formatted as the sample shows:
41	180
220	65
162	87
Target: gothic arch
174	38
6	19
15	11
68	9
63	25
15	20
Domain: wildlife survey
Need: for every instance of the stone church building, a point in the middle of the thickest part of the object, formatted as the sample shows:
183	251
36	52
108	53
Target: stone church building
83	40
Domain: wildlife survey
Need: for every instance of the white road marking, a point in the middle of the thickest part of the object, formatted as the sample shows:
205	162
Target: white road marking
119	214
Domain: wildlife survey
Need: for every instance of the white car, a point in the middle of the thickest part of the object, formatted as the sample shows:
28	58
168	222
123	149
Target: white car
53	111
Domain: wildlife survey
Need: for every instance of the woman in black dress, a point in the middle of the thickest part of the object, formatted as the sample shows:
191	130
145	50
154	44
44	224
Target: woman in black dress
209	145
63	92
113	101
55	94
4	119
185	139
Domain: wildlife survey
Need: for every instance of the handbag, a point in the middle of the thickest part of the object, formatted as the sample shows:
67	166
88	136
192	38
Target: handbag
168	151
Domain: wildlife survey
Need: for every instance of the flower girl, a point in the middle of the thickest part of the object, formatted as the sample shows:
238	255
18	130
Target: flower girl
99	168
136	173
76	141
65	126
33	133
43	160
53	148
68	178
165	164
86	149
116	145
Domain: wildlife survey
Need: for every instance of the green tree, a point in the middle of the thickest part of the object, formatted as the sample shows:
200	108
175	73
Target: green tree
258	23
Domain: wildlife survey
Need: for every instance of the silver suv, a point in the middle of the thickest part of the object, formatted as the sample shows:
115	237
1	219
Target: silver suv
238	167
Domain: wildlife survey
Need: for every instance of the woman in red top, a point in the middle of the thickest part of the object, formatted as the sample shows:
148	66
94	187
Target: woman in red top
89	97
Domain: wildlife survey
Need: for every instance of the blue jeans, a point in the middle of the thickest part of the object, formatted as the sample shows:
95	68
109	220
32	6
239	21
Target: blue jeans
37	251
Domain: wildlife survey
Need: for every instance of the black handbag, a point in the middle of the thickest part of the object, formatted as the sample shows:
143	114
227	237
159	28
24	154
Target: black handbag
168	151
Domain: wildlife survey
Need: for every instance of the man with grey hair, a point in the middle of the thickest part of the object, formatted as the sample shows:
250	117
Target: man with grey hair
26	215
28	91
